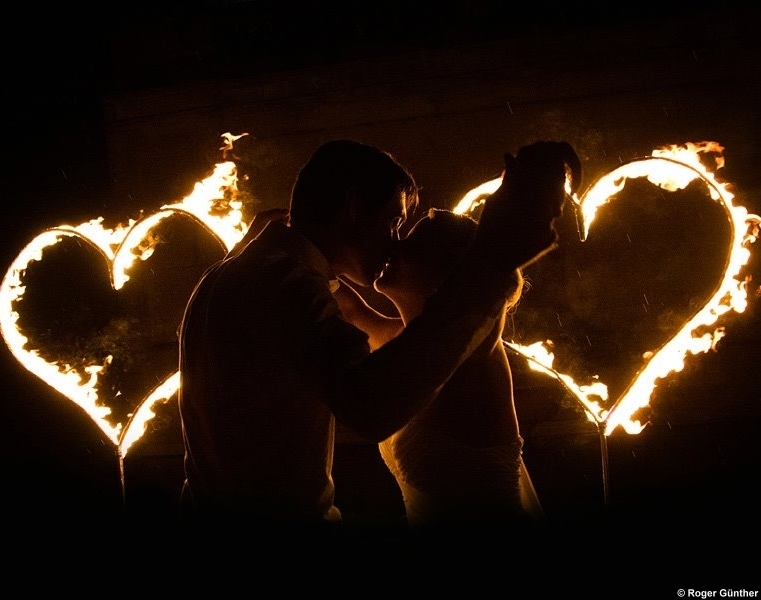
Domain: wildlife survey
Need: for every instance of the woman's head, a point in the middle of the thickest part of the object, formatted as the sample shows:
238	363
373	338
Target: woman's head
422	260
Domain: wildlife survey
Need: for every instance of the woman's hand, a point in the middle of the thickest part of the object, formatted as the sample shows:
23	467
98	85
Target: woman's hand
260	221
516	225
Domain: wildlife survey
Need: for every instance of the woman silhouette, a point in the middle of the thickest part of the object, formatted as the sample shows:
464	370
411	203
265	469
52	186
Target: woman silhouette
458	462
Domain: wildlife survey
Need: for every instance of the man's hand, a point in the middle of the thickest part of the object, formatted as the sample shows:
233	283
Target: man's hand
516	226
260	221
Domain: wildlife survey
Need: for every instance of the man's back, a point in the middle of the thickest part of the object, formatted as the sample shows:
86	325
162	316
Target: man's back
258	429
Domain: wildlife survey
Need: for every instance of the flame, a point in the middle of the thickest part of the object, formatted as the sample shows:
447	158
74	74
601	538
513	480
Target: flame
541	360
212	203
671	168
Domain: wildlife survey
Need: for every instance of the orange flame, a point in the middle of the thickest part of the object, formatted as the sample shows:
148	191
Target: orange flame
121	246
670	168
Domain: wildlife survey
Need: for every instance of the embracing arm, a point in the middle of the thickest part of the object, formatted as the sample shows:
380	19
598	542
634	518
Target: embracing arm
379	327
380	392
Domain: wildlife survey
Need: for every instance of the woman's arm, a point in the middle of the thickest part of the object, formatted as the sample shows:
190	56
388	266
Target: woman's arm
380	328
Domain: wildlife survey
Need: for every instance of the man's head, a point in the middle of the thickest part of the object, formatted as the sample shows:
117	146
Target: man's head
350	199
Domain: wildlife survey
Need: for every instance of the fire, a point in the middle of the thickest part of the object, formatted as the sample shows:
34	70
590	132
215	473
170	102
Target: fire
212	203
670	168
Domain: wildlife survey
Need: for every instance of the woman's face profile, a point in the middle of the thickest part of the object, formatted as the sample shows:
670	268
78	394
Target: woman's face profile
421	260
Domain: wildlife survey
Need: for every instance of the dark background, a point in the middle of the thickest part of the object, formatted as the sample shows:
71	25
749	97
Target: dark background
110	112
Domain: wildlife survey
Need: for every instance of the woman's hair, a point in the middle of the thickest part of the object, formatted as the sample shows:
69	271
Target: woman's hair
340	167
449	236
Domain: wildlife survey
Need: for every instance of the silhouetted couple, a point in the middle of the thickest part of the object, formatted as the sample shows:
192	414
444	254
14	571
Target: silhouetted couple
275	345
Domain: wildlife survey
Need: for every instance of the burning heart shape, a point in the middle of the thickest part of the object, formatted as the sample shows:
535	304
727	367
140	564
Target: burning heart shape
673	170
127	350
86	374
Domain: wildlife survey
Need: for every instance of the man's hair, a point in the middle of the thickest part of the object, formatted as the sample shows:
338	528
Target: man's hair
340	167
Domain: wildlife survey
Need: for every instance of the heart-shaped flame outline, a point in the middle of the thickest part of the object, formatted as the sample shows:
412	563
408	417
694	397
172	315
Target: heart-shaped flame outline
672	168
120	248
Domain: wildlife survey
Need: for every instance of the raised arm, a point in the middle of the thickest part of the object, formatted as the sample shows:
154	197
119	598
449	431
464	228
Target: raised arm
380	328
380	393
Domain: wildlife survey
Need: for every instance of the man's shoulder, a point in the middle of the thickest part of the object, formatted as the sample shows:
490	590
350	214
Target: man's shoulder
281	245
